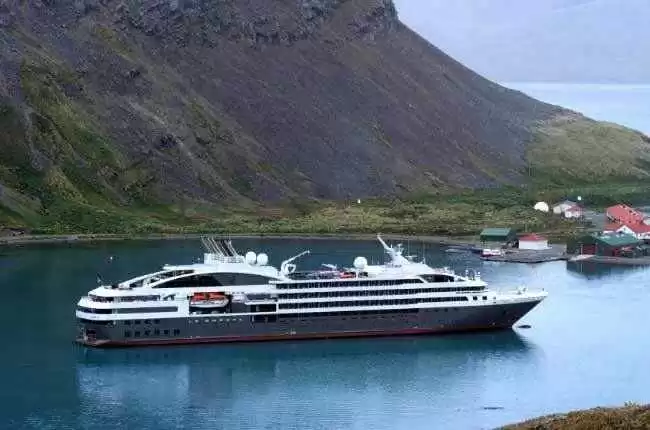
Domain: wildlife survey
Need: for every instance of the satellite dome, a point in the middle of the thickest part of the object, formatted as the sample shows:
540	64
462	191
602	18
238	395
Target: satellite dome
542	207
360	263
262	259
251	257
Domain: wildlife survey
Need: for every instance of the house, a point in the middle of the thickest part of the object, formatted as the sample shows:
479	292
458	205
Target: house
627	220
624	214
561	207
502	235
574	212
641	230
533	241
611	245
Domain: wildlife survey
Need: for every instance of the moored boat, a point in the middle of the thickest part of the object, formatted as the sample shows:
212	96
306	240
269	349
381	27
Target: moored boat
230	297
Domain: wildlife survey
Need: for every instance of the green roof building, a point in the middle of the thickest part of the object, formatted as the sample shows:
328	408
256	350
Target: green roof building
502	235
611	245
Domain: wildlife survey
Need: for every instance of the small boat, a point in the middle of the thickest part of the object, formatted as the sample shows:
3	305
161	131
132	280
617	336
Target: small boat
208	300
492	253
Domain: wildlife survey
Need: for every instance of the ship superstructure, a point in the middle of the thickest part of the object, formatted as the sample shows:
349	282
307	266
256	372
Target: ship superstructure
233	297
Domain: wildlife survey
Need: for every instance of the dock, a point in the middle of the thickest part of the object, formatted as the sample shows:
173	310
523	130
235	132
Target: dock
553	253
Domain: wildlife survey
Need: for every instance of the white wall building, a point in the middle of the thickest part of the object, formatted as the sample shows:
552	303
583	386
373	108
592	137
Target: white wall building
573	212
533	242
640	231
560	208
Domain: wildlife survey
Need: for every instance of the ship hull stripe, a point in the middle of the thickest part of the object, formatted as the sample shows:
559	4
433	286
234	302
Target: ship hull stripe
262	338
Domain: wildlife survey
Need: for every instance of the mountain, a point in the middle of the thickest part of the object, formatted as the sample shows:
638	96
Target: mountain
112	109
594	41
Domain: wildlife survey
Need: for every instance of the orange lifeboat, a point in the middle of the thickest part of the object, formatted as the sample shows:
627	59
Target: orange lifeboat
199	297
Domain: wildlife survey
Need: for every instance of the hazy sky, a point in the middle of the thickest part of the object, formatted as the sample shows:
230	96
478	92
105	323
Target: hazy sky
540	40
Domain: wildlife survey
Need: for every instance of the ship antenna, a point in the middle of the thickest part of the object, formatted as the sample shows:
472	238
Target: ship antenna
424	254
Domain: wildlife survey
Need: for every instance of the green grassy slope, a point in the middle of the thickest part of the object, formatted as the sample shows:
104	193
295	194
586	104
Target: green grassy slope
572	149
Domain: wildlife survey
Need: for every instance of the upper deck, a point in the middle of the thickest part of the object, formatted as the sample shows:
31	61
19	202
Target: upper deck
223	269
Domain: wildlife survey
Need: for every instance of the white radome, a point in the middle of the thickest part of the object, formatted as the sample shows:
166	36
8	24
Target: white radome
542	207
262	259
360	263
251	257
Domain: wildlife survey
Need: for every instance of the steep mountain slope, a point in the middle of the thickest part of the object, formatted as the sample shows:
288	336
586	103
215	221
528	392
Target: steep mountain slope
113	109
552	40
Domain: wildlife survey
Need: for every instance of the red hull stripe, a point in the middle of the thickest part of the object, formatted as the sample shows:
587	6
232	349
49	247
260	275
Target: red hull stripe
259	338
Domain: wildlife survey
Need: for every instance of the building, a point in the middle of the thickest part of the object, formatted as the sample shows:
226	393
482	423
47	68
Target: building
561	207
624	214
610	245
641	231
627	220
533	242
574	212
502	235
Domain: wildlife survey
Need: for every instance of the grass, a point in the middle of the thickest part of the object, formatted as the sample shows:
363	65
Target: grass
443	214
572	149
629	417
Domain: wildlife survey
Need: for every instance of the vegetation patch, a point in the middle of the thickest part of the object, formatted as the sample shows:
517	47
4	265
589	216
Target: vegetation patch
575	150
629	417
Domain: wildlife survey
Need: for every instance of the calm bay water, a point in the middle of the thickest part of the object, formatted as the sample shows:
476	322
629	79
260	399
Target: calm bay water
627	105
588	346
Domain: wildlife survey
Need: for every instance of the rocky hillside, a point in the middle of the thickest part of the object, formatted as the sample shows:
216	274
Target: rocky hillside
116	106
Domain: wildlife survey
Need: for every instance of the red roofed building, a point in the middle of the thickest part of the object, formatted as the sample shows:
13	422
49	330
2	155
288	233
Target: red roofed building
639	230
533	241
624	214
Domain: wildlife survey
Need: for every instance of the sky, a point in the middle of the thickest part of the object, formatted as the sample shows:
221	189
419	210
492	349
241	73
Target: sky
585	41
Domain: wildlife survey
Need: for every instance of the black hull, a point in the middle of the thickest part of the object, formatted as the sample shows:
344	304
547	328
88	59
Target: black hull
224	328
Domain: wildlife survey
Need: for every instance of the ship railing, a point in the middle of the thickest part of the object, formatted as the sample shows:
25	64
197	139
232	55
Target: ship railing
217	258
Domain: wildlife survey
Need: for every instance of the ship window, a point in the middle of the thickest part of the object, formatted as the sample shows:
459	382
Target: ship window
127	333
166	332
95	322
126	299
137	322
156	321
147	332
127	322
100	299
136	334
438	277
93	310
146	310
147	321
176	332
241	279
484	297
156	332
216	280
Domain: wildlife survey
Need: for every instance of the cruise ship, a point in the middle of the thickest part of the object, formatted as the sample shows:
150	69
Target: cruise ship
231	297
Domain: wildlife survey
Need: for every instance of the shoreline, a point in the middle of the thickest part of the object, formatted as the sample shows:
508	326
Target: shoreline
90	238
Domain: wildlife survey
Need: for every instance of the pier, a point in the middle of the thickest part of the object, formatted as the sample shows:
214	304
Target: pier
530	256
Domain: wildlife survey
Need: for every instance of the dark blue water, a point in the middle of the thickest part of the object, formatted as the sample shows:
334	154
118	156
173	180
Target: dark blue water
588	346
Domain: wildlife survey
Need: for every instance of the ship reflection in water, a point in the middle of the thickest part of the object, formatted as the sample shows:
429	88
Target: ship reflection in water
238	385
